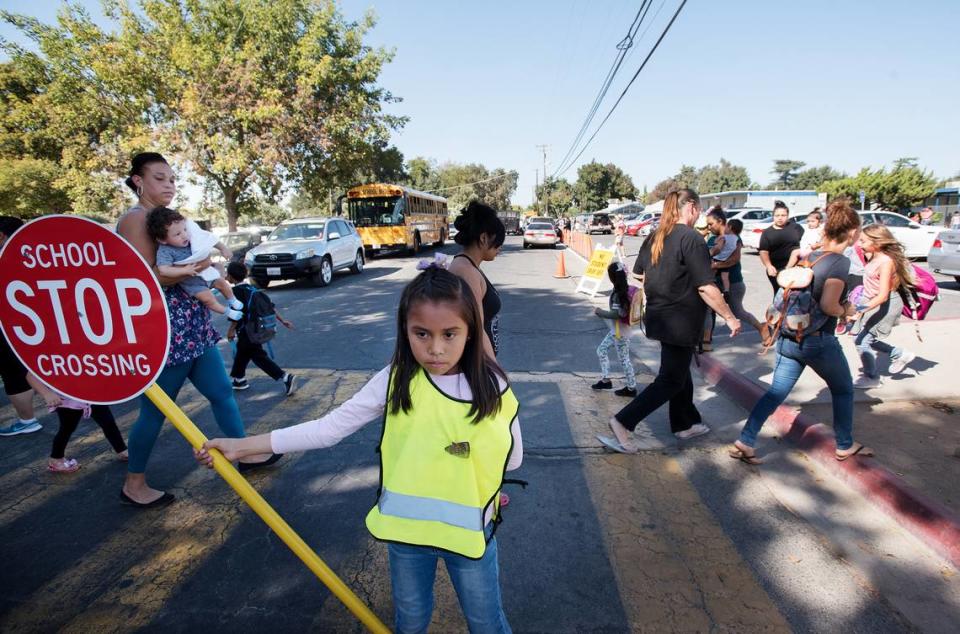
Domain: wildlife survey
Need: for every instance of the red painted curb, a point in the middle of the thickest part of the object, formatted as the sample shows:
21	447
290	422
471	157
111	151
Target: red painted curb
929	521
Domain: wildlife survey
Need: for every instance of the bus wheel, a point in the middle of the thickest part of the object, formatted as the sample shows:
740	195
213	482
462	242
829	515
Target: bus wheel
417	245
443	239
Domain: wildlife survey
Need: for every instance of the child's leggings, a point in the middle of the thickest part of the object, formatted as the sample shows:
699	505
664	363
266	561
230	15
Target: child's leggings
622	345
70	418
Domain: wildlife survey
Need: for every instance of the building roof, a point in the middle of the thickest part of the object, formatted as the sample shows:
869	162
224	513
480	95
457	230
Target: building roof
766	192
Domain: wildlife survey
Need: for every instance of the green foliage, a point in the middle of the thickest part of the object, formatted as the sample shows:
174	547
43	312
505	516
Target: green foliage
900	188
814	177
786	171
461	183
27	188
560	194
422	174
721	178
255	95
598	182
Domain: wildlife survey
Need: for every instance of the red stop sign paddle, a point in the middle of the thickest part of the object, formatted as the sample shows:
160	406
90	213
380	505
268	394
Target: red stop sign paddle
82	310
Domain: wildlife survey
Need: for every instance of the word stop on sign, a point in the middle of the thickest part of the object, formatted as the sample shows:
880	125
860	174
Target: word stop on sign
82	310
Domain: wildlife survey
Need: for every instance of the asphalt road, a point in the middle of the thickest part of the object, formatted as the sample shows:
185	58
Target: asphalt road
682	539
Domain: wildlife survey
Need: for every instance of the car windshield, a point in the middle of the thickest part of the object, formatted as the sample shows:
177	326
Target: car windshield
236	240
540	226
298	231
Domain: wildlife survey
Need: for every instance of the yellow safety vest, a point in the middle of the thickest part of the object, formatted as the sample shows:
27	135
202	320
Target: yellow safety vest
433	492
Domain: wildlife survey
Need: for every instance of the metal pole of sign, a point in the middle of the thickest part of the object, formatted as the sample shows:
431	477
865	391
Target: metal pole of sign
276	523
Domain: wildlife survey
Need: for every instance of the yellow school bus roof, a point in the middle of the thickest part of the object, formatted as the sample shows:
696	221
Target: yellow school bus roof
380	190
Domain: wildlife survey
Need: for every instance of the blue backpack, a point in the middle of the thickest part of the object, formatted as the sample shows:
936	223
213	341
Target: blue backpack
260	316
795	311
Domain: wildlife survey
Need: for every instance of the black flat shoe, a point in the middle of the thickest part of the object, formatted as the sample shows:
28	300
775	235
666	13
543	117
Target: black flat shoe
161	501
626	391
243	467
602	385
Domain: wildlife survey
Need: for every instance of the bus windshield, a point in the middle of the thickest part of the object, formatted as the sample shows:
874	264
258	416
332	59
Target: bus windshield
370	212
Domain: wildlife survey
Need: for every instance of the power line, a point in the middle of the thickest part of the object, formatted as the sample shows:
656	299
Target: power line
630	83
623	46
492	178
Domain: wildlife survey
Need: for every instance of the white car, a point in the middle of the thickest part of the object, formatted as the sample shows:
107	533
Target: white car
306	247
915	238
944	256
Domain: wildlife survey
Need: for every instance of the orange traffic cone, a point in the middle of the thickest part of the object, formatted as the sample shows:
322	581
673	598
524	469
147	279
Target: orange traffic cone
561	268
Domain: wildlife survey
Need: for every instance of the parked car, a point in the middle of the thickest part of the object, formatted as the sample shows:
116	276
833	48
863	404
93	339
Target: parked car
944	254
650	227
540	234
240	242
306	247
600	222
642	220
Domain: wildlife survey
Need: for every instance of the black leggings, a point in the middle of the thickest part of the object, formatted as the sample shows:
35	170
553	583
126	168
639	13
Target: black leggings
247	352
70	418
674	385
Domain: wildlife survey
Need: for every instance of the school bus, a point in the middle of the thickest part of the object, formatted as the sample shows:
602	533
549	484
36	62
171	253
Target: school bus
396	218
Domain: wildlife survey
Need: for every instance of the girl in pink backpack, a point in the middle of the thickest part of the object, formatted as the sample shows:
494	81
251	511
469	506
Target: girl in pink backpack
881	304
619	333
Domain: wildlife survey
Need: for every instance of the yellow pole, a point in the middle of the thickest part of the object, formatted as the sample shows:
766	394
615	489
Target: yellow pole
276	523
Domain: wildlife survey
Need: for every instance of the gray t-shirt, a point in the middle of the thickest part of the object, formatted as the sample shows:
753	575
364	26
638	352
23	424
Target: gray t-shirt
168	255
833	266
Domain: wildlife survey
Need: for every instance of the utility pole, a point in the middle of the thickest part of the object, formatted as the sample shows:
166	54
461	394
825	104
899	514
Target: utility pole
546	192
536	188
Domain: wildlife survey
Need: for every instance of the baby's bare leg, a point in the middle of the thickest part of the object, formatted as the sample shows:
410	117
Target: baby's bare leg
224	287
206	298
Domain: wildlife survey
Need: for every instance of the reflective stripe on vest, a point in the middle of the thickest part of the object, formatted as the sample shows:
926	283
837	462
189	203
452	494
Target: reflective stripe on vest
430	496
415	507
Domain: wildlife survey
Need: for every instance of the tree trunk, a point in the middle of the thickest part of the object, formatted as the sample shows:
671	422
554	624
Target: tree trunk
230	195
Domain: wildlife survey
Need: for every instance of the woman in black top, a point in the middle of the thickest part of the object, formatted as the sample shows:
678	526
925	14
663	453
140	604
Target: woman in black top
481	233
679	285
778	241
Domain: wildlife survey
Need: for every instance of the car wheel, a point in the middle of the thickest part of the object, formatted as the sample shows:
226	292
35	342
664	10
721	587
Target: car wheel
526	245
417	245
957	278
260	282
357	262
442	240
325	275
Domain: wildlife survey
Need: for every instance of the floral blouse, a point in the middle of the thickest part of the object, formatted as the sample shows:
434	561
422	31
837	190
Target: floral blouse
191	332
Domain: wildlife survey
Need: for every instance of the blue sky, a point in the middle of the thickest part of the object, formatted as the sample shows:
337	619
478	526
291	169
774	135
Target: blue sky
845	83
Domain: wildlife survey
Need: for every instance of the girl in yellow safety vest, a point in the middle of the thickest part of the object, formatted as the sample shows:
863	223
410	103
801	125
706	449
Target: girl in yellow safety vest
450	433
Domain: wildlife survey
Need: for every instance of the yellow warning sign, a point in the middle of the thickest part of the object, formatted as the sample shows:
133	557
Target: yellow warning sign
599	261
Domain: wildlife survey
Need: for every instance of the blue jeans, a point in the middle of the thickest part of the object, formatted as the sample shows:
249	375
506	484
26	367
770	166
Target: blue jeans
868	346
207	374
413	570
824	356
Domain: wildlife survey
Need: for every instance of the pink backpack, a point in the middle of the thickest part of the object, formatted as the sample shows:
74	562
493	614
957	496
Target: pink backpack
918	300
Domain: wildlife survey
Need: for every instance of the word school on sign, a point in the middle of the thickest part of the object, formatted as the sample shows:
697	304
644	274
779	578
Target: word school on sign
51	256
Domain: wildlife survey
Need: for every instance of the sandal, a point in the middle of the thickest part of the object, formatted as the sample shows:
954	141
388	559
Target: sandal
63	465
858	450
737	453
706	346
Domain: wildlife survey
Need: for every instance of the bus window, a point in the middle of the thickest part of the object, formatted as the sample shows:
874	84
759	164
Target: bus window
371	212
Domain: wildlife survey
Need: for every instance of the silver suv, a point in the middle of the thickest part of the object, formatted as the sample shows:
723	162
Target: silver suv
306	247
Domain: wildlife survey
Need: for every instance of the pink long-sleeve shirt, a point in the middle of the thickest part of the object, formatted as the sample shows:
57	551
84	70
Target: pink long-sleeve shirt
367	405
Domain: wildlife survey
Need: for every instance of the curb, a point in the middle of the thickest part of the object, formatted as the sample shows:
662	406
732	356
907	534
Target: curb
929	521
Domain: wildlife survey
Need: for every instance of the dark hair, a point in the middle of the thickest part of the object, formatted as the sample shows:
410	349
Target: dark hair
736	226
9	224
237	270
841	219
717	214
476	219
816	212
159	220
439	285
618	276
779	204
139	162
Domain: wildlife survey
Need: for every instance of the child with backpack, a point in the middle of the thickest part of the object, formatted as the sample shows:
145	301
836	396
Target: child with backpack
805	313
620	332
450	431
257	326
887	273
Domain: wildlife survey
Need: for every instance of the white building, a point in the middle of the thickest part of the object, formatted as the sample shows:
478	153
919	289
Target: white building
798	201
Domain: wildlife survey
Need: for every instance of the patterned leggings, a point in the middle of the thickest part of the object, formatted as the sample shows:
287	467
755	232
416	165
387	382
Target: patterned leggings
622	345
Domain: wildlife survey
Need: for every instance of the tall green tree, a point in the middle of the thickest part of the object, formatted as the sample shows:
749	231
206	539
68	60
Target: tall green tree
814	177
598	182
461	183
721	178
786	171
900	188
422	174
254	95
559	193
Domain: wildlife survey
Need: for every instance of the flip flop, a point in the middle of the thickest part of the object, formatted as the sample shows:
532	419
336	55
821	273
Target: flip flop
738	454
614	445
860	450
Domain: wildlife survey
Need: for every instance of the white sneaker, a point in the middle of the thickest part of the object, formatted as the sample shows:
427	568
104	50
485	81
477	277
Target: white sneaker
865	382
697	430
235	304
900	364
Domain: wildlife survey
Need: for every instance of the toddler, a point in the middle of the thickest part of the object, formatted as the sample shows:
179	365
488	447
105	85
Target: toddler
179	239
724	247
